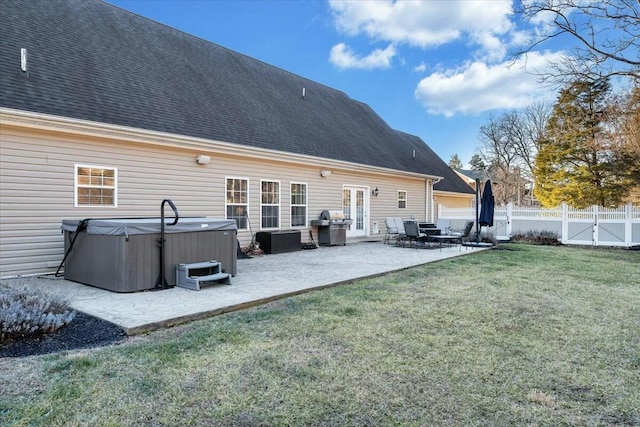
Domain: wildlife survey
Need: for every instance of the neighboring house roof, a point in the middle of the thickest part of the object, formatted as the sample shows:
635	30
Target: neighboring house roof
94	61
472	175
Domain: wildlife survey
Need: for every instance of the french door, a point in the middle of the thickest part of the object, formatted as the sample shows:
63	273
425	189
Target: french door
354	206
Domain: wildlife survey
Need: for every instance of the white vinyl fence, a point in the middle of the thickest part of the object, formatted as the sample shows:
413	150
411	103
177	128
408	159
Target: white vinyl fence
595	226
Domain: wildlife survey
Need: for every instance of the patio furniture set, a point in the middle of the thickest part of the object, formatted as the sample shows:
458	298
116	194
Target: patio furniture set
411	233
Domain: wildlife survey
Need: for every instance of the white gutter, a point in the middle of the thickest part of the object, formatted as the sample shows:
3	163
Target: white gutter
454	194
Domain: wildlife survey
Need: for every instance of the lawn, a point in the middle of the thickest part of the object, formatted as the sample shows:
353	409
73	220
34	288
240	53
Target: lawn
526	335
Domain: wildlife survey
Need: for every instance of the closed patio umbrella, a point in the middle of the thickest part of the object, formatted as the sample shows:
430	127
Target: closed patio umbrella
487	205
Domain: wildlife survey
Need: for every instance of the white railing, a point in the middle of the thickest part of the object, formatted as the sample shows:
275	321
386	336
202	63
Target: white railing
595	226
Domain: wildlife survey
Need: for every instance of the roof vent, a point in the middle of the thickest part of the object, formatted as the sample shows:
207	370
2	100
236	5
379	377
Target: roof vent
304	92
414	153
23	59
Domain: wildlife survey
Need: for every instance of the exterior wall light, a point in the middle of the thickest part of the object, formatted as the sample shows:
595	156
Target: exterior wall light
375	192
203	160
325	173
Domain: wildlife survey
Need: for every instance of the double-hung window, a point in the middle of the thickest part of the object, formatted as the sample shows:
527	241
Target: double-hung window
402	199
96	186
298	204
237	201
270	204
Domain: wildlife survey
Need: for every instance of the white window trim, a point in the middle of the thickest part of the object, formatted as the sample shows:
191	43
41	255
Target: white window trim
306	205
279	204
248	198
406	199
76	166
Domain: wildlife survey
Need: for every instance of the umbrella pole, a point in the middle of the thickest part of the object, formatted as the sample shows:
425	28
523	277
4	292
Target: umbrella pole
477	212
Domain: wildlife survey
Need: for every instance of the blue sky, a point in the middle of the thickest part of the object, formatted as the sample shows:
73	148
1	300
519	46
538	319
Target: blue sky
434	68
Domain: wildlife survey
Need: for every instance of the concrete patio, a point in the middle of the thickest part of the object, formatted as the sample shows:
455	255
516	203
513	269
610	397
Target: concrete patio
259	280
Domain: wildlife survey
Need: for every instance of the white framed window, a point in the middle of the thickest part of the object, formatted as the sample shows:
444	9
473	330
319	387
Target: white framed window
402	199
269	204
298	204
95	186
237	201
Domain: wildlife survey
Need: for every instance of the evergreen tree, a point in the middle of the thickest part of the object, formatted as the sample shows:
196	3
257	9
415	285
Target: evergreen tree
455	162
477	164
575	162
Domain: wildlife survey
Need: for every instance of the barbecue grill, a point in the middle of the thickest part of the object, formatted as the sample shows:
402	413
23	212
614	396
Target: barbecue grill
332	228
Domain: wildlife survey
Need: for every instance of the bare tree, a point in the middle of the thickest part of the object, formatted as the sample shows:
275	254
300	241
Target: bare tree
526	129
509	145
500	155
606	35
623	113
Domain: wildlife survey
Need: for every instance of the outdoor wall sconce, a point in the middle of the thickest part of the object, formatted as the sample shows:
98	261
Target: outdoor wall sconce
203	160
375	192
325	173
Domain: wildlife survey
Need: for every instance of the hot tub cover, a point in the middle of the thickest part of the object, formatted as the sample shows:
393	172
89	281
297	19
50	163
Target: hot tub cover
129	227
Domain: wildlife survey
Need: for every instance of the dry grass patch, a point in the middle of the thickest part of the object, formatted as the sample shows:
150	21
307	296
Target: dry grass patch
528	336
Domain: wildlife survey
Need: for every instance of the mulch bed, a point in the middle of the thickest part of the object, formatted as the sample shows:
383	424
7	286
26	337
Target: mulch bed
84	331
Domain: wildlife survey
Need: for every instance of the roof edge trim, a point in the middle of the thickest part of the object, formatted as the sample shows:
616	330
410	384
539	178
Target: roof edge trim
454	194
48	122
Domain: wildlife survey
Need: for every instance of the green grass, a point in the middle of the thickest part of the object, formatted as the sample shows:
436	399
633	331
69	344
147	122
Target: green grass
530	335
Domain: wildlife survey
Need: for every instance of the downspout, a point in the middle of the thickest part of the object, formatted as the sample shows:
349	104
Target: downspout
432	216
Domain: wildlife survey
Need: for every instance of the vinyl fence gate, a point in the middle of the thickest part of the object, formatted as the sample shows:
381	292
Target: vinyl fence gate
596	226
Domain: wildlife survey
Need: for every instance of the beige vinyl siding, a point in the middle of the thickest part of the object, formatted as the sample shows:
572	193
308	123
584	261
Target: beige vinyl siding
451	200
386	204
37	189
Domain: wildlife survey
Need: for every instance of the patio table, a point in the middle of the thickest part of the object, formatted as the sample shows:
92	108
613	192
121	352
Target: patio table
446	238
429	231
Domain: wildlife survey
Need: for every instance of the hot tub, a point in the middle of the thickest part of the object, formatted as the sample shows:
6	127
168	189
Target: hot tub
123	255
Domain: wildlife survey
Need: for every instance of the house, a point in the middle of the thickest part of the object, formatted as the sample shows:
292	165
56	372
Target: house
518	189
469	176
451	191
104	113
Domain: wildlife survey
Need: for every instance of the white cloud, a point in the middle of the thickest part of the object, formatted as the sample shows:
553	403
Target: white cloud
479	87
427	24
420	68
343	57
543	20
521	37
493	48
478	32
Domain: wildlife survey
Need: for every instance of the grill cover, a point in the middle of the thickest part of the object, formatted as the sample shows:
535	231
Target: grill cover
332	215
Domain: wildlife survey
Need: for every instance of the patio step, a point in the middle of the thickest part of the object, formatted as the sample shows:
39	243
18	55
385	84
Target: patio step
191	276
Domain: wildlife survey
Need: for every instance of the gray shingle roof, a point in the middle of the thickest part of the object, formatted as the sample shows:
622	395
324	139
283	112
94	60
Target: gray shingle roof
91	60
473	174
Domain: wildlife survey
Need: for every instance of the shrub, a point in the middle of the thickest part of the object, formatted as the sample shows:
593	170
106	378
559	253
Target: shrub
30	311
487	236
537	237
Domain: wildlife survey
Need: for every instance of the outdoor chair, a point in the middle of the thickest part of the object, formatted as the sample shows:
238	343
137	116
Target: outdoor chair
395	230
465	232
413	235
456	237
444	225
